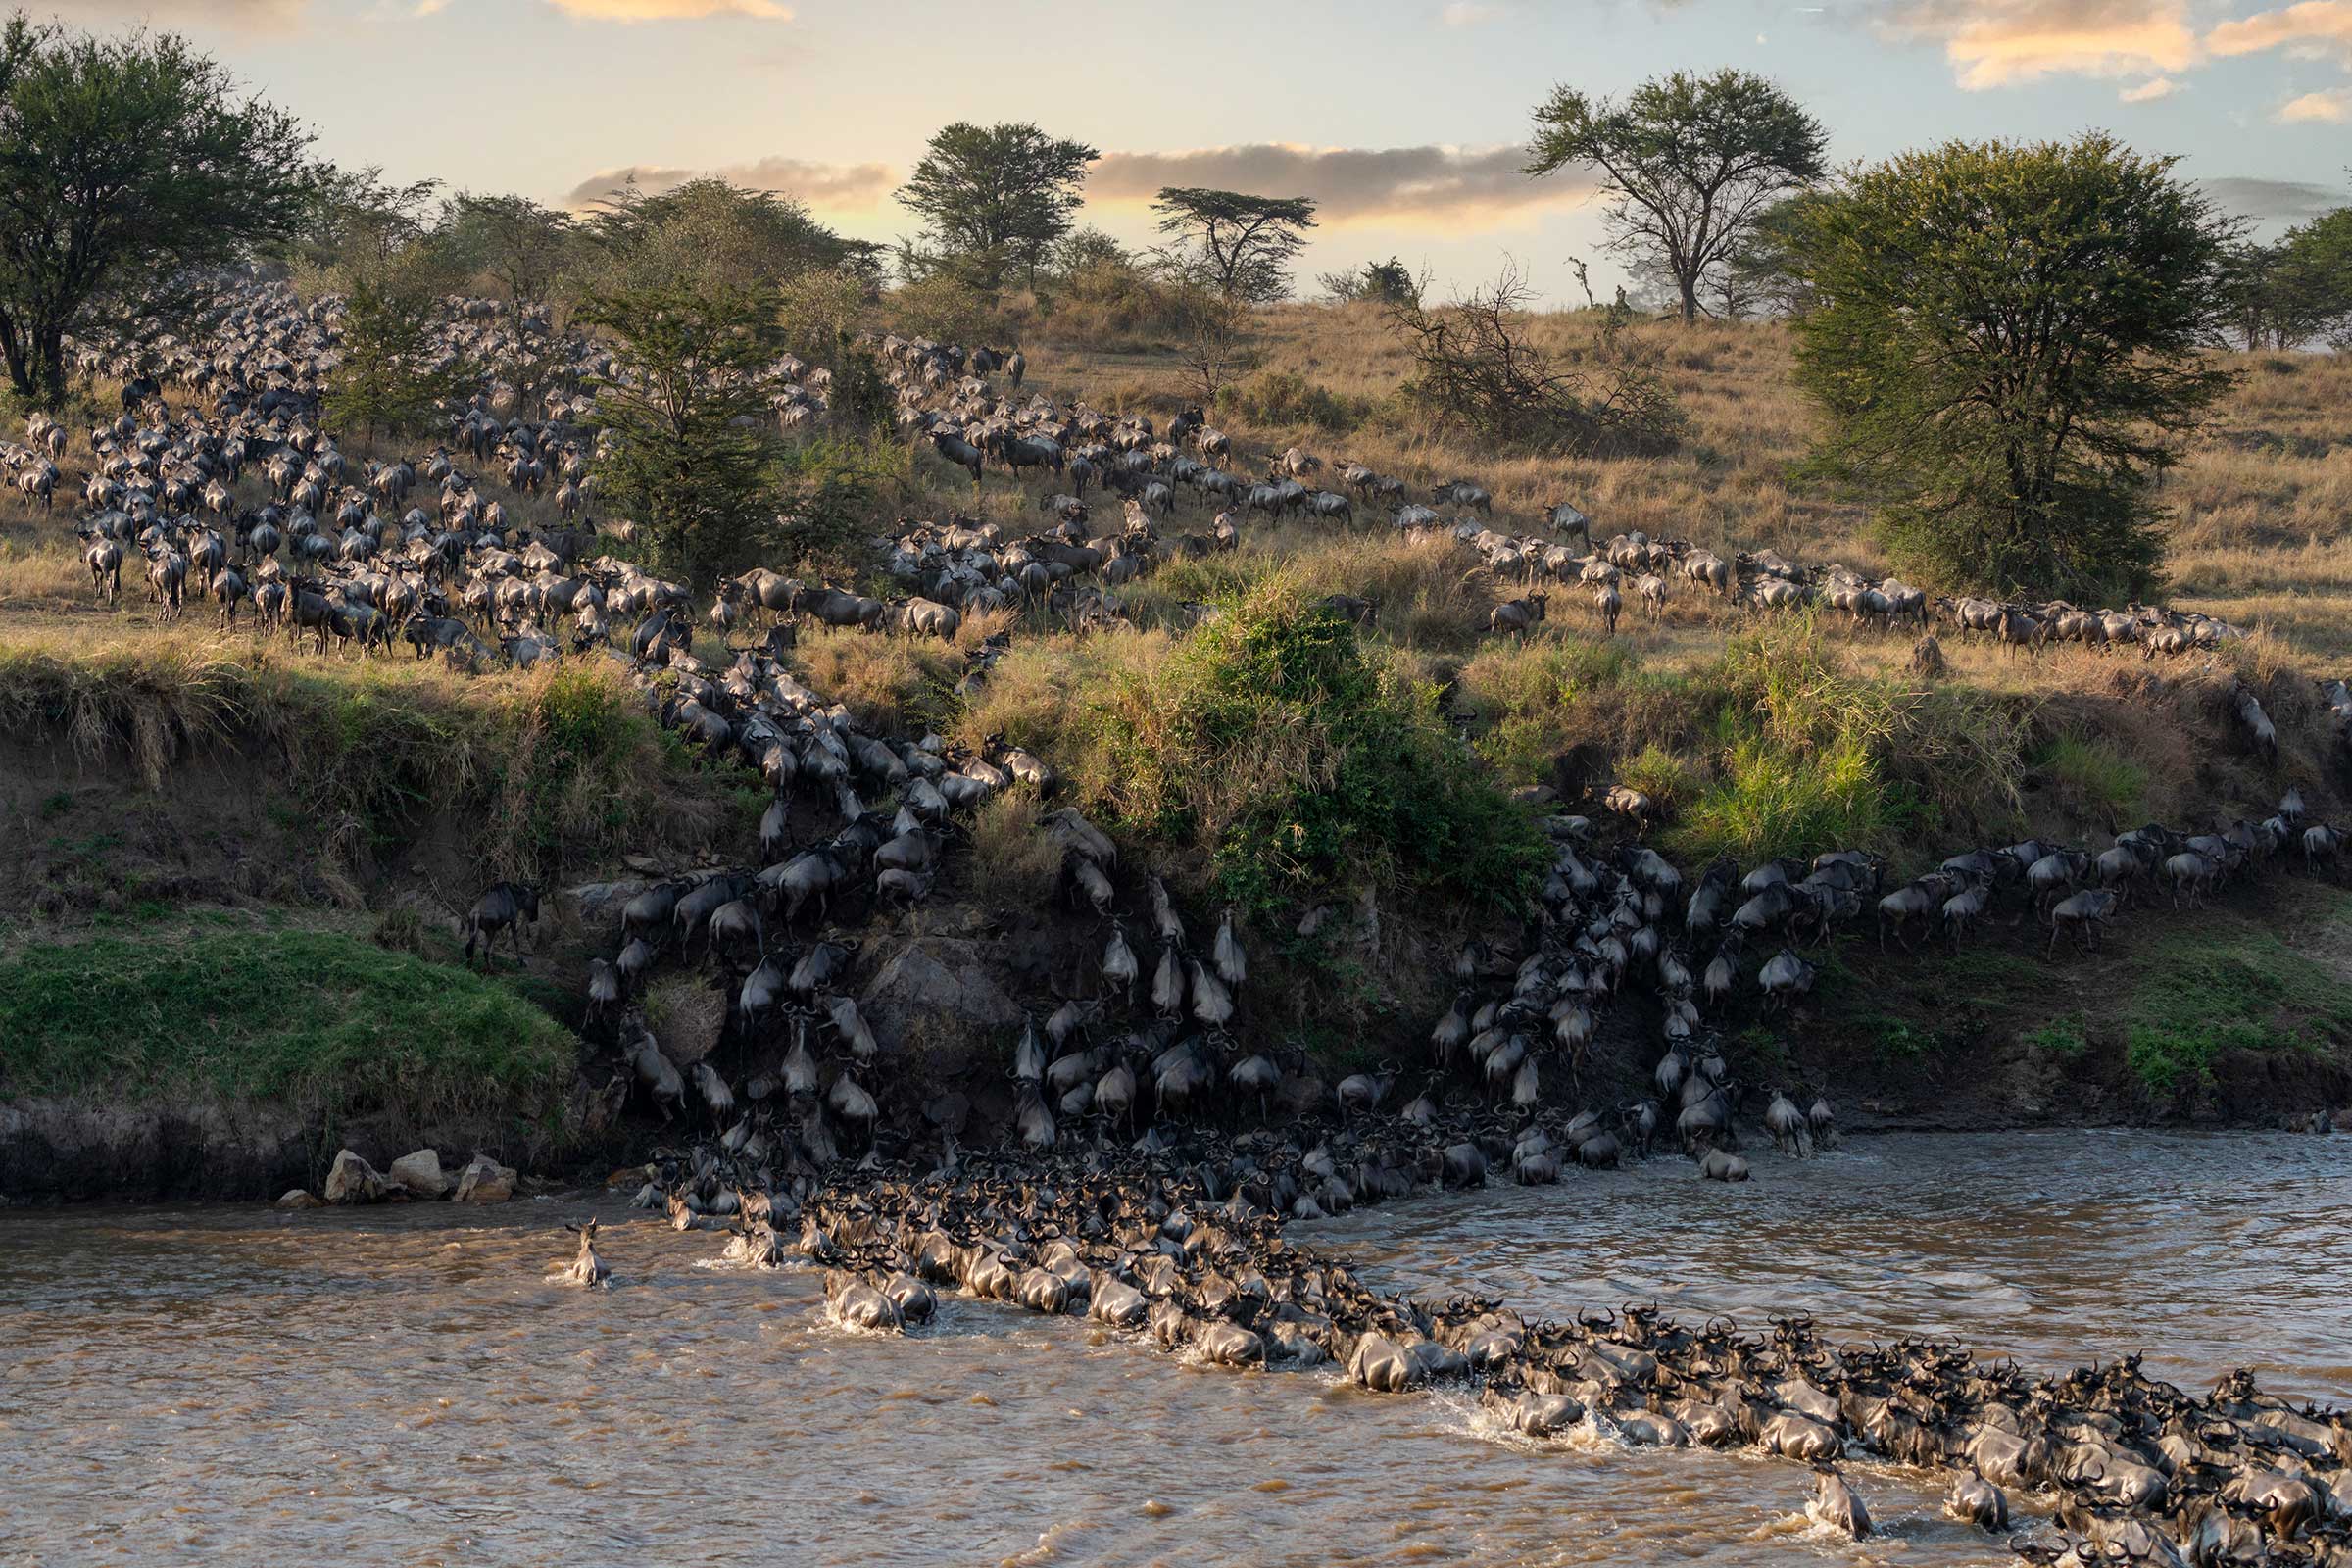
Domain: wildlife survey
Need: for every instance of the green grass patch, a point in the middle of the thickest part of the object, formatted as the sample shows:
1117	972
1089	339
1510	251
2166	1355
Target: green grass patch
1802	754
2092	778
2065	1036
2193	1000
324	1022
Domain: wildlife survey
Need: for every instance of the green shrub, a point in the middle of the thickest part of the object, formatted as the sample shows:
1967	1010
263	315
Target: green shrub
1524	692
1809	755
1301	760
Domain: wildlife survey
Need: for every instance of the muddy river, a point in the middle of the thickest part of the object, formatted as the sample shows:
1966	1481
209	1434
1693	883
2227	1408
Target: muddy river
404	1386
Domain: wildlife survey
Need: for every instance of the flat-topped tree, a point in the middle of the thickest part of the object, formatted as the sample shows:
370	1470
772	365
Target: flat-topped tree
1241	244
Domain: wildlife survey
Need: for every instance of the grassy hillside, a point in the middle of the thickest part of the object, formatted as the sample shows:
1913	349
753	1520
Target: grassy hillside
227	824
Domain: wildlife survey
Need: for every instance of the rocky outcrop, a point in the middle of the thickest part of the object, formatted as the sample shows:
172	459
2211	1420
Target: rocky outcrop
352	1180
485	1181
937	991
420	1175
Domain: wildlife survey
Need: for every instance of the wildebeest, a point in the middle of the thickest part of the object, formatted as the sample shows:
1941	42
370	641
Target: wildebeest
504	907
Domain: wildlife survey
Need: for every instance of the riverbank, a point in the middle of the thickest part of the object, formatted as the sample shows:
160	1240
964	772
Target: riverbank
226	922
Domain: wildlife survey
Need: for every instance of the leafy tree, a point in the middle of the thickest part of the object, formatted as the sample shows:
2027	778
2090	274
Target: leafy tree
1244	243
1087	248
523	247
694	455
2008	346
395	375
1765	272
1001	193
2313	281
716	231
1690	162
1388	282
358	221
126	165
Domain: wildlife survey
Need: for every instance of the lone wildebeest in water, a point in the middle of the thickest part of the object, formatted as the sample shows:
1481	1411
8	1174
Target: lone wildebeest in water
586	1269
504	907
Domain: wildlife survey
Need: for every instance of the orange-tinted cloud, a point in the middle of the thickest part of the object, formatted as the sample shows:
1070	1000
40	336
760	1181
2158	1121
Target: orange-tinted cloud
832	187
2325	24
2322	108
1994	43
1350	184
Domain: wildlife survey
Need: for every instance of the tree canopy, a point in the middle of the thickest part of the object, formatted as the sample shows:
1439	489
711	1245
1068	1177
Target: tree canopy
2008	343
126	165
694	456
1243	244
997	196
2297	290
1688	162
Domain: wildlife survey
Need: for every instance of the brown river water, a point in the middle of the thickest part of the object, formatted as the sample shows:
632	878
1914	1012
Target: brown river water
228	1386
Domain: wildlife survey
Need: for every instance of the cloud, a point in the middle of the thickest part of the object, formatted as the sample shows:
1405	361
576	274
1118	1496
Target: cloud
830	187
1468	13
2147	92
1996	43
2270	198
2313	25
1350	184
2327	107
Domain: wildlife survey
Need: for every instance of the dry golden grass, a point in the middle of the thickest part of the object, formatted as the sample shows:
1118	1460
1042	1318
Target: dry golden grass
2262	533
1014	865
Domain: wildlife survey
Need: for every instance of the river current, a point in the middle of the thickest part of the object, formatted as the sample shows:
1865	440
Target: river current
405	1385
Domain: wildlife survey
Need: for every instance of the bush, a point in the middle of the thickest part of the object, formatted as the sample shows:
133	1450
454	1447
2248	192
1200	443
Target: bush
1285	397
1810	756
1476	367
1524	692
1272	739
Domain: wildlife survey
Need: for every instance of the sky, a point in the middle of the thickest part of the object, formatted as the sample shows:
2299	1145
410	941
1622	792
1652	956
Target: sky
1404	118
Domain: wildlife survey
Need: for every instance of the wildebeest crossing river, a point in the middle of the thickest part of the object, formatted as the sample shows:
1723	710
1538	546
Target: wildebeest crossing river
217	1385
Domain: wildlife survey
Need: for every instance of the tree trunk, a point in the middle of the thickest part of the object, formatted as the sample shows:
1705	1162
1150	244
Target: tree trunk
1689	283
49	368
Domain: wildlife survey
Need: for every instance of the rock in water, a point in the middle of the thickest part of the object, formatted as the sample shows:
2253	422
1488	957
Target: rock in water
352	1180
299	1198
421	1174
485	1181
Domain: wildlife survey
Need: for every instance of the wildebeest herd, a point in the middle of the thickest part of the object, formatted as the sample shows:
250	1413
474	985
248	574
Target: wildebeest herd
1131	1200
1180	1243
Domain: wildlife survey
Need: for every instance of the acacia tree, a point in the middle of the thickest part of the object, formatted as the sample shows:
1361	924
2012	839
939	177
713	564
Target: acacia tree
999	195
126	165
2008	343
1244	244
1690	162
